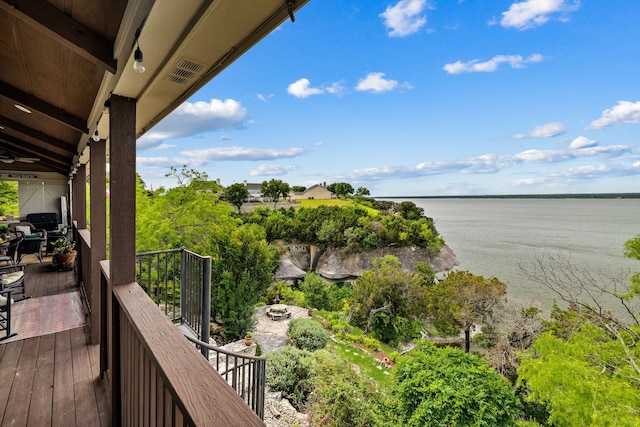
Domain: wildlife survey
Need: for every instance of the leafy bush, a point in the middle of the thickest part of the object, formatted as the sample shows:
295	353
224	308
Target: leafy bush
436	387
342	397
291	372
371	343
307	334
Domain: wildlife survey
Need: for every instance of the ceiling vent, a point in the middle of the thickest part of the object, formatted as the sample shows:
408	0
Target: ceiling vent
185	71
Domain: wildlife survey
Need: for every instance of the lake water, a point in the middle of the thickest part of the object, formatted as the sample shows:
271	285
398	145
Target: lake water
492	237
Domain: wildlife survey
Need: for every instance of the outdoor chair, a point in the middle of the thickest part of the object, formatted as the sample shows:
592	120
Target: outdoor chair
12	278
34	240
9	255
5	314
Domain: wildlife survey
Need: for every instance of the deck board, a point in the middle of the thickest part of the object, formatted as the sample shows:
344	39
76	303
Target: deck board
54	379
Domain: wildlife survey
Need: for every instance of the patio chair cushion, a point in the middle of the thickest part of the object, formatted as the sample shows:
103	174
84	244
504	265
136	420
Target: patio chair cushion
9	278
3	300
31	236
25	229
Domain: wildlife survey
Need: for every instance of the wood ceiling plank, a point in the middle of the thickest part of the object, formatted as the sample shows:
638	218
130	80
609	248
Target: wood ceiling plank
37	150
35	134
52	111
67	31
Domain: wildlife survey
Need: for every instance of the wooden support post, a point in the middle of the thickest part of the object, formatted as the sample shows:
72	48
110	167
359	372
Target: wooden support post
80	206
98	211
122	155
122	246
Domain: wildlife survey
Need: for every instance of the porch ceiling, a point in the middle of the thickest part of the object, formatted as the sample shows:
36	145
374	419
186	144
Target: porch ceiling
61	59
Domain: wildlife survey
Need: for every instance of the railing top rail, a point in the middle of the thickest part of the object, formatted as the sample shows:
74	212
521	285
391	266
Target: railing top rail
165	251
159	252
195	254
223	351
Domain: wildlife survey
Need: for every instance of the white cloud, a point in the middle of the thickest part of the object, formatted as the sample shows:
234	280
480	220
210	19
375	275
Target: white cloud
166	146
582	142
488	163
545	131
195	118
624	112
336	88
534	13
241	153
375	82
162	162
475	66
302	89
405	17
272	170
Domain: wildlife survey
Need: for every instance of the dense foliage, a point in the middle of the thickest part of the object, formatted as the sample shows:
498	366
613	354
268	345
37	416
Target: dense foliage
389	301
343	397
307	334
585	367
236	194
9	198
352	227
191	216
291	371
464	299
437	387
275	190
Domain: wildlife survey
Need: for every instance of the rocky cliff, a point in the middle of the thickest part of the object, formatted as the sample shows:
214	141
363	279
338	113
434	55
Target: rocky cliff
337	265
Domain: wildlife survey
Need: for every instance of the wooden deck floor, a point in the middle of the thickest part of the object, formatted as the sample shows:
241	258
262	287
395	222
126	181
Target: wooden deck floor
51	380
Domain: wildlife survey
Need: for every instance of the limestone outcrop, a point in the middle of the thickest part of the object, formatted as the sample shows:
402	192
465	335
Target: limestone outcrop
338	265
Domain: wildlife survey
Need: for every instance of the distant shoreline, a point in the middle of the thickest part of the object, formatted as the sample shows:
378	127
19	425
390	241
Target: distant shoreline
526	196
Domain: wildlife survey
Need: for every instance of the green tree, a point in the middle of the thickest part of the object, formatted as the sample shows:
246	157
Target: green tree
236	194
316	291
190	216
409	210
586	378
242	270
632	250
298	188
585	367
387	299
275	190
341	189
446	387
362	191
464	299
9	198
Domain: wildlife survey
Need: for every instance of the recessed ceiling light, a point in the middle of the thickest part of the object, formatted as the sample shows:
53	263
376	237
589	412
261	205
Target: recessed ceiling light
23	109
1	127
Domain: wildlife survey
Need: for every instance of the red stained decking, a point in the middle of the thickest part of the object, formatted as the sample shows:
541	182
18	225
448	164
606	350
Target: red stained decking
53	379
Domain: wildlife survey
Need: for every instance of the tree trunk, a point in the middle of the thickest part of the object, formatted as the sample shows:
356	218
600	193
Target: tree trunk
372	313
467	339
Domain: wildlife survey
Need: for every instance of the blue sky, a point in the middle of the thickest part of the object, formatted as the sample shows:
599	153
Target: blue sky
419	98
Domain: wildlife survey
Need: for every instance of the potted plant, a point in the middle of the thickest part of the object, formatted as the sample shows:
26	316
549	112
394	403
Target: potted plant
4	231
248	338
63	251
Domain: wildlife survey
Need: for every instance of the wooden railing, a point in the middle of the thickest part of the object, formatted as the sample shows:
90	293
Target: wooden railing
156	376
245	374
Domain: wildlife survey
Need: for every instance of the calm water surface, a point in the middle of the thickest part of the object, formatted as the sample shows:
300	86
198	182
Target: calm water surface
492	237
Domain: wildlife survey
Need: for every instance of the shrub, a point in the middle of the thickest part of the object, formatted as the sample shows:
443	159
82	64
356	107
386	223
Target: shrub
342	397
291	371
371	343
307	334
